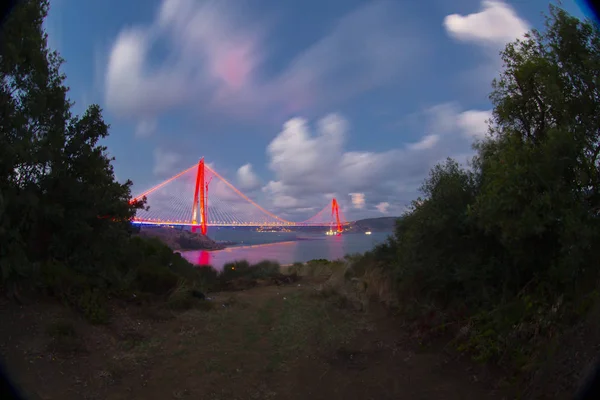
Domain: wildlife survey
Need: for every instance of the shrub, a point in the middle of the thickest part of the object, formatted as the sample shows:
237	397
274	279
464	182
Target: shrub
242	270
156	279
234	270
264	269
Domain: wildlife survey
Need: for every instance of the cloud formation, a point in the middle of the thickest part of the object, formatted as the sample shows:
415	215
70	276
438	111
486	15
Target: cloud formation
311	165
474	123
165	162
215	59
495	24
426	143
145	128
307	164
358	200
383	207
491	28
246	178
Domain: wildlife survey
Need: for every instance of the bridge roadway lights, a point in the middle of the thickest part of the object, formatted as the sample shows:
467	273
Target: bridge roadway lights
200	205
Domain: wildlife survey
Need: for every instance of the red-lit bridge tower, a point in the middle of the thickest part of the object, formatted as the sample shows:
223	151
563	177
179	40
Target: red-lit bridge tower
200	199
335	212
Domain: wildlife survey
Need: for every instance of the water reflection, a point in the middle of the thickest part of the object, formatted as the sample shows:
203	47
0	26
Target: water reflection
283	252
203	258
335	248
304	248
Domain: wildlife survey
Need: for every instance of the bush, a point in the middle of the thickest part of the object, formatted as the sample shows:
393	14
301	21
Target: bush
264	269
151	271
234	270
505	250
243	270
208	277
184	298
155	279
158	270
92	303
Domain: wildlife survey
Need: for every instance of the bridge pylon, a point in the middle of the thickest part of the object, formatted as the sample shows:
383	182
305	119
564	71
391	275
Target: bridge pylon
335	212
200	200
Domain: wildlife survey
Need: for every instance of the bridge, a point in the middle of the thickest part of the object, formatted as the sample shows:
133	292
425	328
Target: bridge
183	200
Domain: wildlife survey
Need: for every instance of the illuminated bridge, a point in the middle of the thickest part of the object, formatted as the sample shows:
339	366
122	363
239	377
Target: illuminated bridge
184	200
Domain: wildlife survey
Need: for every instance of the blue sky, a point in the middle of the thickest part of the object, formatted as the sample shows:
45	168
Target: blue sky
292	101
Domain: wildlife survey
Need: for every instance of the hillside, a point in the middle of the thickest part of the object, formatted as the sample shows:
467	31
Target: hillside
180	239
383	224
288	341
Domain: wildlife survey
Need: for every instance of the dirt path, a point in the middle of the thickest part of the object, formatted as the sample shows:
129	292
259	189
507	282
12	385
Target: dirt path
265	343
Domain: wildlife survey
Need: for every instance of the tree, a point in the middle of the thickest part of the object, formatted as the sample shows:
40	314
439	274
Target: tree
31	101
540	179
441	252
59	201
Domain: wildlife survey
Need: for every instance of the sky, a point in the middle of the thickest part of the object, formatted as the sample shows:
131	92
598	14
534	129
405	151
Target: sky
294	102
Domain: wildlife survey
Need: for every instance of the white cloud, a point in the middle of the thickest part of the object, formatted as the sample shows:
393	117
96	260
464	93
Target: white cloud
285	201
298	157
448	118
247	179
426	143
496	24
145	128
474	123
215	58
165	162
358	200
309	164
383	207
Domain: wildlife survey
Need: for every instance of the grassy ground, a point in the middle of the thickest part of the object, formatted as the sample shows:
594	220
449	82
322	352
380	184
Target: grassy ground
269	342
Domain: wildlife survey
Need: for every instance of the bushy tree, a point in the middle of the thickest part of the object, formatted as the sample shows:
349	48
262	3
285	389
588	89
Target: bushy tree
526	213
540	178
59	201
440	250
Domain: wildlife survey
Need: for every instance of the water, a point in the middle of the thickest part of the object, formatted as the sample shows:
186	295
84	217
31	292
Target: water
283	247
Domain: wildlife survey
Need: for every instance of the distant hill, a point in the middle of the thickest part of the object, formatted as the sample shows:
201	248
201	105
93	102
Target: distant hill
382	224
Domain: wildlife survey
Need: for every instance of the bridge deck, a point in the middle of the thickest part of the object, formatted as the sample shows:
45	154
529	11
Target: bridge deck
178	223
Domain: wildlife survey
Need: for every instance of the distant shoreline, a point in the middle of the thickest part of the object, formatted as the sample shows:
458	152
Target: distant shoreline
225	245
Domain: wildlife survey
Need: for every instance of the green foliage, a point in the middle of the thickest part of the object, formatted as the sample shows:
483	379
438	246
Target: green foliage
182	298
92	304
208	277
319	261
539	171
61	328
60	201
151	278
243	269
64	220
265	269
234	270
315	268
507	249
440	252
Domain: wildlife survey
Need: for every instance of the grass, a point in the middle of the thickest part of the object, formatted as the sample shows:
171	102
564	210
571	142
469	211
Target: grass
316	268
61	328
305	325
255	343
273	332
64	338
350	283
236	332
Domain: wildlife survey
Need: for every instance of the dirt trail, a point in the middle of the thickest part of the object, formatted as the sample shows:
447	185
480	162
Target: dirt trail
264	343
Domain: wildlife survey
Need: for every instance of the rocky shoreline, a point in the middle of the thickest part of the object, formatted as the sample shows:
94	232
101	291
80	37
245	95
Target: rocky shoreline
180	240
